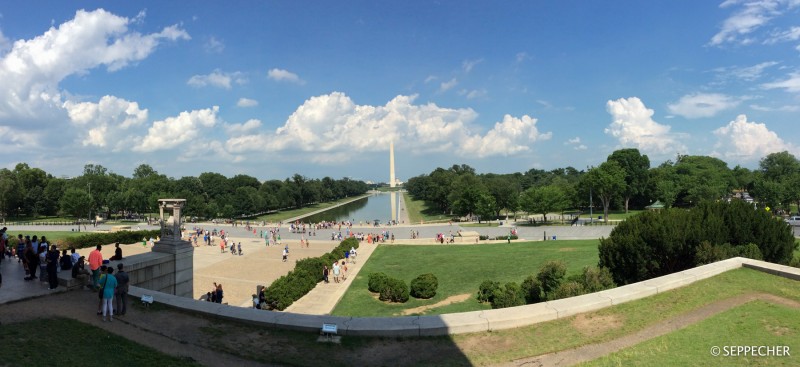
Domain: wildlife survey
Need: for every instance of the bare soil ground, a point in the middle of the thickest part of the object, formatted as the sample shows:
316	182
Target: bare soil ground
447	301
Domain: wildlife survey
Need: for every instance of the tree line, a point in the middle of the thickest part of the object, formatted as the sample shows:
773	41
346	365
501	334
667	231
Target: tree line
625	180
32	192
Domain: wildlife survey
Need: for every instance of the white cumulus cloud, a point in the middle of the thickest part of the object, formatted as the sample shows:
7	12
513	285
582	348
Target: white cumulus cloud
575	143
332	125
749	141
240	129
106	122
217	79
173	131
702	105
246	102
32	69
633	126
282	75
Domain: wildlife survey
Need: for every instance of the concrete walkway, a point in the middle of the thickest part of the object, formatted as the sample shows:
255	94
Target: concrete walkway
324	297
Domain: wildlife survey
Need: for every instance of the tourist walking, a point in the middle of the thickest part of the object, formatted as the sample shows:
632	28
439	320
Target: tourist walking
336	271
325	273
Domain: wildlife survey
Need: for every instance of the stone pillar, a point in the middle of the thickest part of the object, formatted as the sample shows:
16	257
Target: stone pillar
391	164
180	251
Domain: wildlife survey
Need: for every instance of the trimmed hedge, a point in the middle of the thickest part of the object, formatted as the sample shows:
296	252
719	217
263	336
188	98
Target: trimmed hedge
90	240
509	296
307	273
424	286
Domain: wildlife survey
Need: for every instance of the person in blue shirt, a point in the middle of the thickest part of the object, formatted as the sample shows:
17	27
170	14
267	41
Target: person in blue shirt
109	284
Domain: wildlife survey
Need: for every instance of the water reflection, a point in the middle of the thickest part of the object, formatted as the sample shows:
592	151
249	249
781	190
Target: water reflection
381	206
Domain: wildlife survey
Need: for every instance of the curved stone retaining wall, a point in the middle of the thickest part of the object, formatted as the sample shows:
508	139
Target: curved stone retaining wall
468	322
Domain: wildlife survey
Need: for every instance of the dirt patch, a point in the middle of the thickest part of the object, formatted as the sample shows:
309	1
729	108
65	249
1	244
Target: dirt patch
567	249
447	301
595	325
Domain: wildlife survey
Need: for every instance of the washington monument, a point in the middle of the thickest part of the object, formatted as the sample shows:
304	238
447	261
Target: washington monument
391	164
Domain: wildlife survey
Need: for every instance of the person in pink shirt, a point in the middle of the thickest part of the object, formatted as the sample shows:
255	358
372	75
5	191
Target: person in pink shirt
95	261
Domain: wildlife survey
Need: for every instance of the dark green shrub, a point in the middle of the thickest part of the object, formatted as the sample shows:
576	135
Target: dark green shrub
395	290
532	290
503	238
750	251
595	279
483	237
424	286
550	276
486	290
567	289
307	273
653	244
795	262
377	282
90	240
509	296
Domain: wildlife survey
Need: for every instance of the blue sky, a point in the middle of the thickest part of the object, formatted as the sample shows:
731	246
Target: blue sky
271	89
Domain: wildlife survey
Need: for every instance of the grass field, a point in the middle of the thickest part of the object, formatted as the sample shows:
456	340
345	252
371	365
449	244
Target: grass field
460	270
66	342
52	236
419	210
754	323
286	214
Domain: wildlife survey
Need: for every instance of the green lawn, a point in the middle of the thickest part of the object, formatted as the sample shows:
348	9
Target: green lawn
460	270
52	236
755	323
66	342
286	214
630	317
419	210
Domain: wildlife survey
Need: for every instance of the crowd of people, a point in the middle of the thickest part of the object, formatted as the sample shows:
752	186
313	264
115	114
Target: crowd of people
43	261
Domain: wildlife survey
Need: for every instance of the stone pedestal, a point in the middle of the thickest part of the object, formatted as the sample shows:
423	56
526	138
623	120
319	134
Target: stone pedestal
169	268
181	253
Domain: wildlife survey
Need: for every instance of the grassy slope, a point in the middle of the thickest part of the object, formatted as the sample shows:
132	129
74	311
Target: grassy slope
50	342
562	334
460	269
755	323
419	210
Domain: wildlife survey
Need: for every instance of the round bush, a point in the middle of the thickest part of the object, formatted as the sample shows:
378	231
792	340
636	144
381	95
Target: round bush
377	282
395	290
424	286
509	296
486	290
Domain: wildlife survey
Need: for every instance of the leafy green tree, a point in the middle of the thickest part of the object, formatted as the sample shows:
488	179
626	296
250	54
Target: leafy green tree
505	193
76	203
485	207
543	200
606	182
635	167
10	193
465	194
